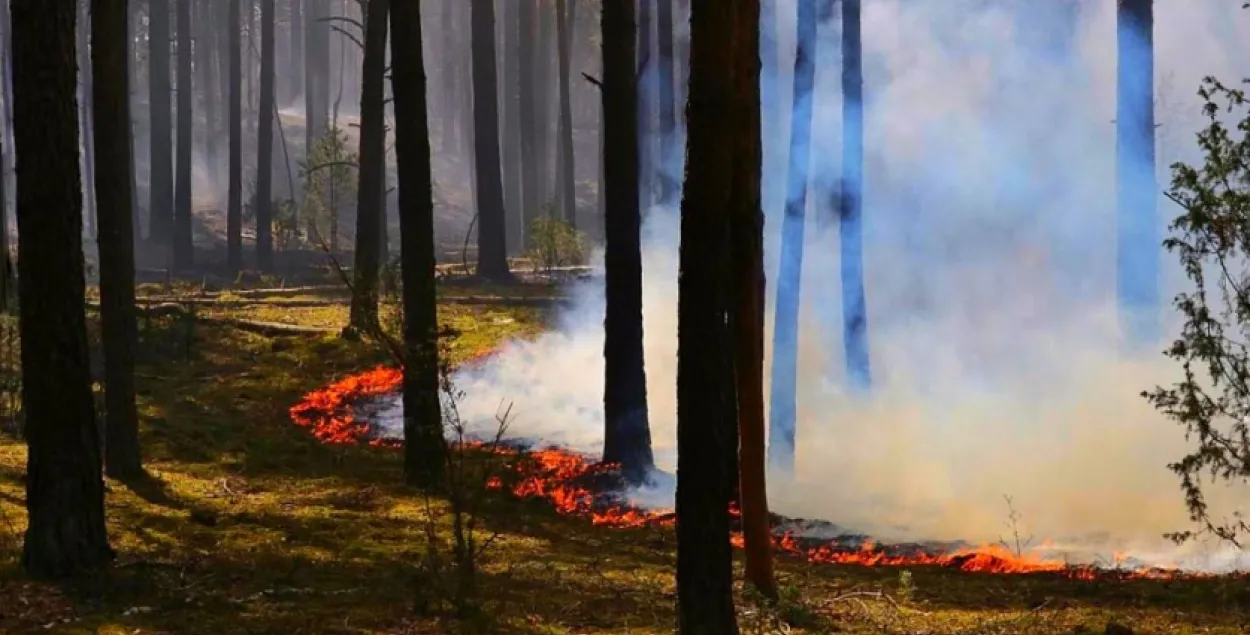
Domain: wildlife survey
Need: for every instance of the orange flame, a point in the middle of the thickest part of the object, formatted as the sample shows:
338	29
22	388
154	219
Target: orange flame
562	478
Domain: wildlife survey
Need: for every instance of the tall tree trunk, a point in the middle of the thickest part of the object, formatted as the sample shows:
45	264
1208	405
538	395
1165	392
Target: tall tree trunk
317	71
110	66
492	249
234	195
771	108
668	169
747	262
707	433
424	446
88	134
543	93
568	187
295	78
370	201
783	412
205	55
513	160
851	201
66	533
264	141
646	106
627	432
184	255
160	125
1138	241
528	110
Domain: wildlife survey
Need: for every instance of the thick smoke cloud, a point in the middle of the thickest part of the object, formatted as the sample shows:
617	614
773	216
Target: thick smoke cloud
990	268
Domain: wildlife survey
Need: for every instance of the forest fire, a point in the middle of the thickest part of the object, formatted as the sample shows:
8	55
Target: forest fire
575	485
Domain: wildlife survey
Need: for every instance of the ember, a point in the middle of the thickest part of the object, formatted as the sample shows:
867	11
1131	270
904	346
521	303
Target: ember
576	485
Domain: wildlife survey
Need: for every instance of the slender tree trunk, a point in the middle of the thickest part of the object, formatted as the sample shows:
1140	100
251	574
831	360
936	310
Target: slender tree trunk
370	201
627	432
783	412
492	254
568	187
264	141
110	53
851	201
88	133
646	106
513	160
707	433
530	189
183	247
543	93
234	195
205	55
295	77
667	176
161	187
66	533
424	448
747	262
1138	241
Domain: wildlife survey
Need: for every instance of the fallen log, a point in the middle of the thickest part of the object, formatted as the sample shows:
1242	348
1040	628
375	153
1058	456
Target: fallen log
267	329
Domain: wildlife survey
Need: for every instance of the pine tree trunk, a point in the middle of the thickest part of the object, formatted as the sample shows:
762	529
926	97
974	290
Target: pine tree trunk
851	202
646	106
205	50
747	262
667	174
64	485
782	413
707	433
234	195
88	133
568	187
492	247
264	141
627	432
370	201
513	160
1137	271
184	255
161	187
295	77
424	447
110	53
527	60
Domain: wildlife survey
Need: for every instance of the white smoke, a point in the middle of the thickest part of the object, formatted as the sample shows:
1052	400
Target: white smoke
989	245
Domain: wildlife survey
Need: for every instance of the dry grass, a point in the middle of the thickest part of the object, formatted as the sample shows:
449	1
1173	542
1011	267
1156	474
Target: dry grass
249	526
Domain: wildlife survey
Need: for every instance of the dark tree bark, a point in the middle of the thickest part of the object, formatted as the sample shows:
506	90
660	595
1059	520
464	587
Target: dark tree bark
369	195
111	69
264	141
747	262
234	195
531	190
782	413
567	190
183	255
627	432
64	484
646	105
161	188
666	89
851	201
707	431
424	446
1138	240
316	71
295	78
492	248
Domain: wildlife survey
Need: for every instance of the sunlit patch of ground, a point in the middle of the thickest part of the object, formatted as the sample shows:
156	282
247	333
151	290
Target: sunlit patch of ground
249	525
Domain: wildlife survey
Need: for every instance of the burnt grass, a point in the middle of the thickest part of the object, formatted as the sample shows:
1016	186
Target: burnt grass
249	525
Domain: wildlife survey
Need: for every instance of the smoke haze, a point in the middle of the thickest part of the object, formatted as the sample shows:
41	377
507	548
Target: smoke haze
989	256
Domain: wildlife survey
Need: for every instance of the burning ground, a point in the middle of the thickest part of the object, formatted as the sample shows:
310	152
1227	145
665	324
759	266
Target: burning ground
251	525
575	485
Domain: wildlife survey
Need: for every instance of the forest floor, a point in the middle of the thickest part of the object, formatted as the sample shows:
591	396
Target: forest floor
249	525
